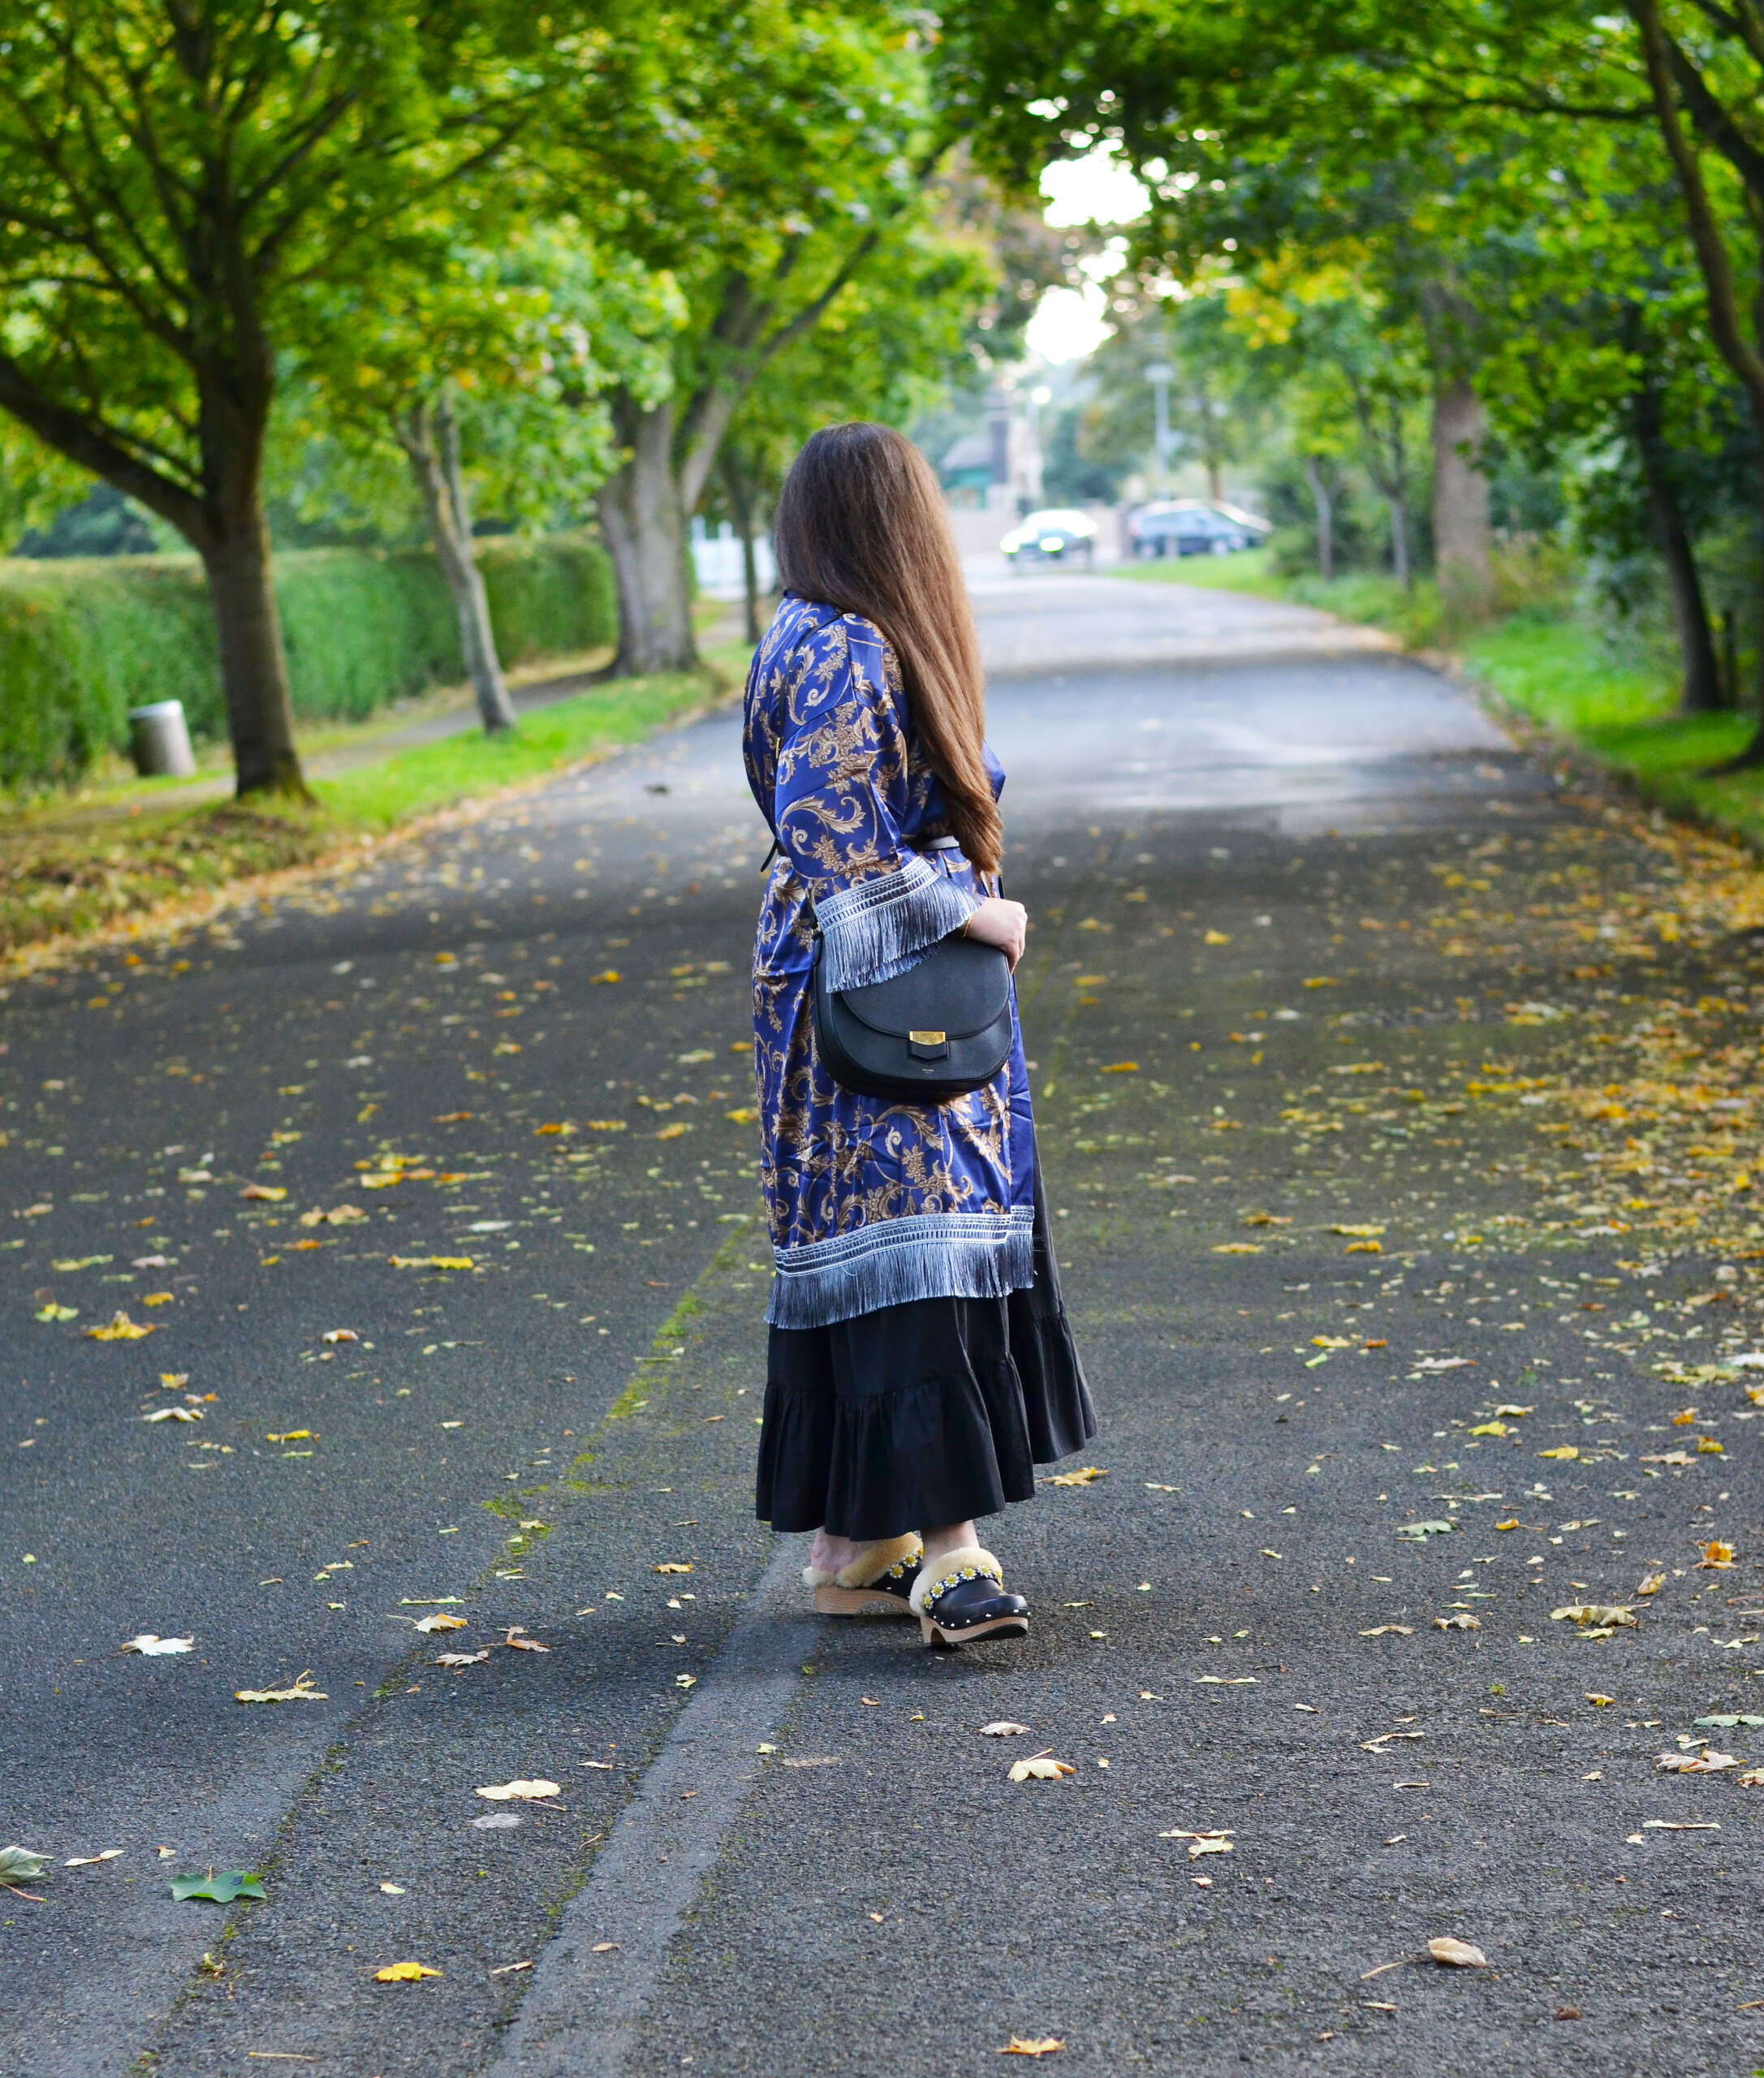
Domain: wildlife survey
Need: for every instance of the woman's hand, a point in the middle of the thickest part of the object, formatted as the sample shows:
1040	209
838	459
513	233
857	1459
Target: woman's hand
1004	924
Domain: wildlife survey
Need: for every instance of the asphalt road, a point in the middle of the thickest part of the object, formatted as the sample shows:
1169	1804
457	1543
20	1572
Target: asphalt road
516	1380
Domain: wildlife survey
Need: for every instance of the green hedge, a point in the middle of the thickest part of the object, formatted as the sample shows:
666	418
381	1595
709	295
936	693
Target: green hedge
82	642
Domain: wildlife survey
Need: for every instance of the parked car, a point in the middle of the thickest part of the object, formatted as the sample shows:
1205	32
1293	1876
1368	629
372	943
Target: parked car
1053	537
1185	527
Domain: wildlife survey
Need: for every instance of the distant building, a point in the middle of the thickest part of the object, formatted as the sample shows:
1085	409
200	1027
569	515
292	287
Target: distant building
1000	469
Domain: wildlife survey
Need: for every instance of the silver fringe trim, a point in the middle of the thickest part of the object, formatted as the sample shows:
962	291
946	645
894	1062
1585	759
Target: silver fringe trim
878	929
928	1255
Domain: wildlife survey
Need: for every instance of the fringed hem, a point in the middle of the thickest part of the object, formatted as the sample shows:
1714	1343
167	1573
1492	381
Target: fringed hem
876	930
929	1255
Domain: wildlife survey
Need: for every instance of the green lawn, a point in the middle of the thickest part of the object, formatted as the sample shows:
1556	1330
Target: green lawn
68	872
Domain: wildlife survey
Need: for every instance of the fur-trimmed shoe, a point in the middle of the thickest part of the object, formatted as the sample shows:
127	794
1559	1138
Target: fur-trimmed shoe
962	1596
878	1582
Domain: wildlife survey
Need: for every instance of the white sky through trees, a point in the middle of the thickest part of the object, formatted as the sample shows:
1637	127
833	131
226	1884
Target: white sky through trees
1069	323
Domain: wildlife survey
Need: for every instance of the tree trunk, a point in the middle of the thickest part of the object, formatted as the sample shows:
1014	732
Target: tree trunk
1701	692
254	667
738	488
643	523
430	435
1326	519
1399	511
1460	495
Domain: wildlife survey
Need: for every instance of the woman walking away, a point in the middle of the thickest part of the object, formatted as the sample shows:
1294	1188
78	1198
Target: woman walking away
920	1365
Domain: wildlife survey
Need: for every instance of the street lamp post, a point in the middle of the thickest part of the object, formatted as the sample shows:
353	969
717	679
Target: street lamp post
1160	377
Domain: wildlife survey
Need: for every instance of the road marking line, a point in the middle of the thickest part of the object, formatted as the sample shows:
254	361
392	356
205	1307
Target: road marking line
582	2010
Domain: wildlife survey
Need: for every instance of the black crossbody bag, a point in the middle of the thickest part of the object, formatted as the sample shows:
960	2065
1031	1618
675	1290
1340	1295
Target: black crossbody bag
936	1032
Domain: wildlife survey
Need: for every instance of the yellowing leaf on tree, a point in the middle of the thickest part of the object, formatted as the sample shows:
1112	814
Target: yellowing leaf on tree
523	1790
1040	1768
119	1328
403	1973
1561	1450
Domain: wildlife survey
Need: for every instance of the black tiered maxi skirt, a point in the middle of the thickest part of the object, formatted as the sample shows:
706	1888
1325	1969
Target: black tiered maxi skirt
918	1415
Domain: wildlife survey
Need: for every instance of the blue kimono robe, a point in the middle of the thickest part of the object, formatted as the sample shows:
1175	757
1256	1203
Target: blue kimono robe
870	1202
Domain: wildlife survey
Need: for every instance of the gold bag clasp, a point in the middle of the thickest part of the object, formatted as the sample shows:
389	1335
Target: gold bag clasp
927	1038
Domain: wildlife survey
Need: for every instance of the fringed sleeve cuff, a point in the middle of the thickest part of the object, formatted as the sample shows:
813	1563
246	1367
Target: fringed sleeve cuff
877	929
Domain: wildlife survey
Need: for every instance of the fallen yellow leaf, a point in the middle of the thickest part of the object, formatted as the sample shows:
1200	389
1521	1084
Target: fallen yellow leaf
1032	2045
1652	1585
403	1973
119	1328
270	1193
1237	1248
1040	1768
1601	1702
1338	1229
440	1619
1511	1522
1082	1476
300	1690
1122	1068
1561	1450
1460	1955
1216	938
542	1130
744	1116
1491	1428
1716	1557
674	1566
1364	1248
525	1791
1513	1413
158	1298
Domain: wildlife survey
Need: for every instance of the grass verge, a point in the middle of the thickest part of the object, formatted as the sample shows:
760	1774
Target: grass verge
1544	663
63	881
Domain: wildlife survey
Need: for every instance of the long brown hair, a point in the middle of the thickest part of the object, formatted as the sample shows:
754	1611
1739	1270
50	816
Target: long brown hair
861	526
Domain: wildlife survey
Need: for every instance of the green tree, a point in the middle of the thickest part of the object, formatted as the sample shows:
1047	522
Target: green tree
784	161
471	377
181	183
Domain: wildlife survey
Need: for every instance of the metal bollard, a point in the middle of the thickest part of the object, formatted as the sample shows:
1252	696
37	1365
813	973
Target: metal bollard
159	740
